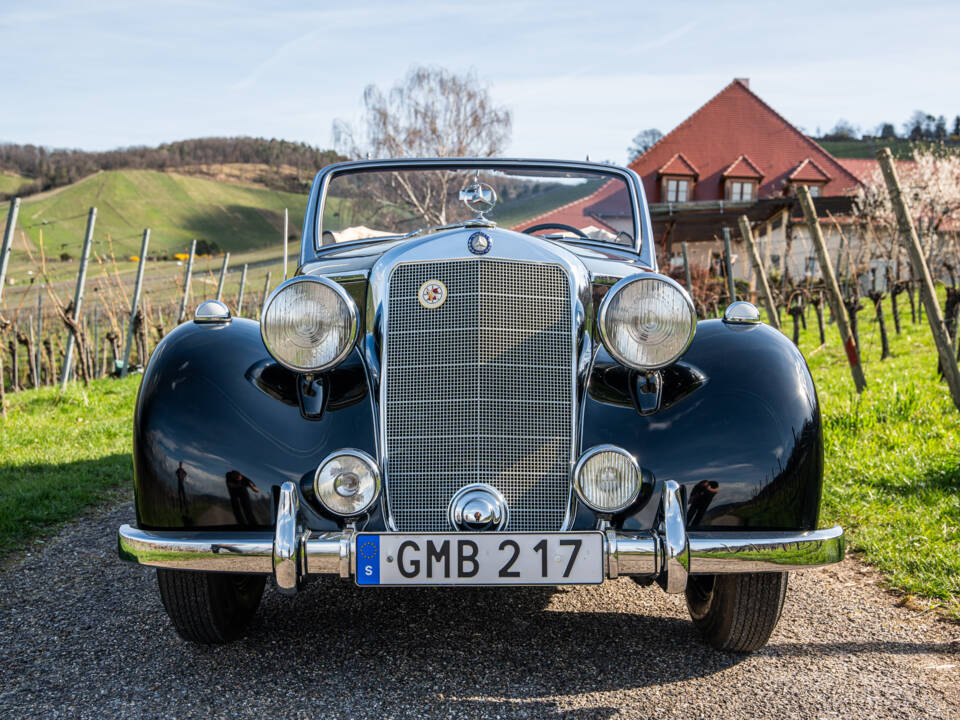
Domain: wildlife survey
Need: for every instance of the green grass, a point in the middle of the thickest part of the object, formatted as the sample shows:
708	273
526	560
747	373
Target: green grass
892	456
867	148
61	453
514	212
176	208
11	183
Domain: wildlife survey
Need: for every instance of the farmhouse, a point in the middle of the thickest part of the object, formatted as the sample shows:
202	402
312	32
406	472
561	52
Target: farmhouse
735	155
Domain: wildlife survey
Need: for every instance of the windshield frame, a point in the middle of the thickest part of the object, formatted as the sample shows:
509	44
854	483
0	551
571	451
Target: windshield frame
318	195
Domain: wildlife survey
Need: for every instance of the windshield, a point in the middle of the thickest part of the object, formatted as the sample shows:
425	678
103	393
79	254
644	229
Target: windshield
385	202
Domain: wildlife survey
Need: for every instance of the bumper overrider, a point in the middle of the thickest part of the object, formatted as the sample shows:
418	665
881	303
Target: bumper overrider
670	553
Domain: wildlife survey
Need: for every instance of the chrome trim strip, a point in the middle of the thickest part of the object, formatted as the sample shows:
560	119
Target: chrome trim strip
637	554
676	548
286	543
323	553
212	551
628	553
740	552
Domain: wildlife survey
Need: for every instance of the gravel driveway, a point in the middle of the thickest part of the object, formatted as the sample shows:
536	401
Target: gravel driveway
84	636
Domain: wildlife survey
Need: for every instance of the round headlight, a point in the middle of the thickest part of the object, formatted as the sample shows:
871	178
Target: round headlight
347	482
607	478
647	321
309	323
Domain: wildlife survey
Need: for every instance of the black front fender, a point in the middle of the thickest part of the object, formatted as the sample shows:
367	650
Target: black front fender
739	429
219	426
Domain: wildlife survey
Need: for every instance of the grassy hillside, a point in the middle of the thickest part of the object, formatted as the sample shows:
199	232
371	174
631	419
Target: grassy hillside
10	183
866	148
515	212
176	208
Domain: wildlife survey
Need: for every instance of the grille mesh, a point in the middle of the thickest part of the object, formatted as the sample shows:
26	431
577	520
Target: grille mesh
479	390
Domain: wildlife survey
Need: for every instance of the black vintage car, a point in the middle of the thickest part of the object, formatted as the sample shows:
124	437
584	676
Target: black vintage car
436	399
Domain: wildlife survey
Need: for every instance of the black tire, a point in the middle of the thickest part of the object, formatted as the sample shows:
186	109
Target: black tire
736	612
209	608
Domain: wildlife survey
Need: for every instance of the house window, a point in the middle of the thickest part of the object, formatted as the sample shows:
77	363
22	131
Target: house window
814	190
677	190
740	190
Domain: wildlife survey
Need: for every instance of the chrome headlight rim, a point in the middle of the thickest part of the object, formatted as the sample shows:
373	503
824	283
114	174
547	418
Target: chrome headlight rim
344	297
590	454
608	300
367	460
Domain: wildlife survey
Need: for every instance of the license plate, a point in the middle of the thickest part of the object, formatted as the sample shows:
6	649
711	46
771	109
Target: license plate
480	558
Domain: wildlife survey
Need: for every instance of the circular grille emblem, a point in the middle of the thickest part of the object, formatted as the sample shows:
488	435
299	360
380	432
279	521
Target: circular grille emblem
432	294
479	243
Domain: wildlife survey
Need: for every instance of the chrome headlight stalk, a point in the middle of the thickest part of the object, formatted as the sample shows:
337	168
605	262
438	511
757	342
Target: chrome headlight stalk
309	324
647	321
347	482
607	479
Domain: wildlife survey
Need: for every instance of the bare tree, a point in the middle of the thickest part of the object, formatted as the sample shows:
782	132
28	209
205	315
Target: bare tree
431	112
642	142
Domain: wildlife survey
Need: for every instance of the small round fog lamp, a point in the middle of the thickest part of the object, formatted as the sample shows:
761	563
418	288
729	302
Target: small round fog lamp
347	483
607	478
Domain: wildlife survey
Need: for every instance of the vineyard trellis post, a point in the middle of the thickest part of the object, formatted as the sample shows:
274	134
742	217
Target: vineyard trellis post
223	275
78	297
8	241
728	261
928	296
686	267
243	282
138	285
38	349
833	290
286	219
188	274
769	304
266	289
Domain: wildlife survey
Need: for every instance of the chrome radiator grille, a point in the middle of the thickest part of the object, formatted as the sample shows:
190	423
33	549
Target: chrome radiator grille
479	390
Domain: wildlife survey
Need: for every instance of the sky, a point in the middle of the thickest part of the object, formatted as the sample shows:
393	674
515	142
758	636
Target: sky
581	78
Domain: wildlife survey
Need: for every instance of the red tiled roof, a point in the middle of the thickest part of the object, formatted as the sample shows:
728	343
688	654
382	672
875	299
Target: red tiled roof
865	168
808	171
736	122
576	213
743	167
678	165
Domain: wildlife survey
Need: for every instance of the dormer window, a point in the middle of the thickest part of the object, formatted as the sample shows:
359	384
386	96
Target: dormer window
741	190
741	180
678	190
811	175
677	178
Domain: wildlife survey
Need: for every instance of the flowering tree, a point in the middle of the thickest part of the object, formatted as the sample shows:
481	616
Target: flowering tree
931	188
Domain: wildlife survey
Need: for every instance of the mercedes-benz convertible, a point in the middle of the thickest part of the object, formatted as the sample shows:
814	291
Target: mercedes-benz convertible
478	376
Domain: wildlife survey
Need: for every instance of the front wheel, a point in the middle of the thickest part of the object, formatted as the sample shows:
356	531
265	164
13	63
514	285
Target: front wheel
209	608
736	612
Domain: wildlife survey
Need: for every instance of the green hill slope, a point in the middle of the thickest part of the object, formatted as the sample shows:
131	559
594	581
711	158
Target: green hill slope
176	208
11	182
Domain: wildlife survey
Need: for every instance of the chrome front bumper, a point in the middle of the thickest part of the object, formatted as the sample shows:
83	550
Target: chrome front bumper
291	553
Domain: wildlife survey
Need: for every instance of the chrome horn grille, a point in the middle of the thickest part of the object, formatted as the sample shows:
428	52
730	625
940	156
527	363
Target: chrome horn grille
479	390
